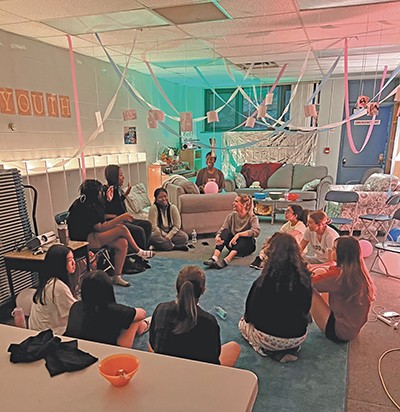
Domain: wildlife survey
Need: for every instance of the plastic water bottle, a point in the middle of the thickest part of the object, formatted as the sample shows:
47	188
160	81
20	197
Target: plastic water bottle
220	312
19	317
194	236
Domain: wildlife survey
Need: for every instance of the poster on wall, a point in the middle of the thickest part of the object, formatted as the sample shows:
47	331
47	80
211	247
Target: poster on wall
130	135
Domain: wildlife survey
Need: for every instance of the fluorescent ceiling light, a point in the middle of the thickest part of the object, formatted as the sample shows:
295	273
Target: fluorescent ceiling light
131	19
325	4
193	13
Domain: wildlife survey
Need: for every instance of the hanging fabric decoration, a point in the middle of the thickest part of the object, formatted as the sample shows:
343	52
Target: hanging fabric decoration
261	111
186	122
212	116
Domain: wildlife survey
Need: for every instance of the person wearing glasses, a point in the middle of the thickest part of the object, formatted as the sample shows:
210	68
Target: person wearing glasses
296	225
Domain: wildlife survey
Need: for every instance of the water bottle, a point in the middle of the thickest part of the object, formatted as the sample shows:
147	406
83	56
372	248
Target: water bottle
194	236
220	312
19	317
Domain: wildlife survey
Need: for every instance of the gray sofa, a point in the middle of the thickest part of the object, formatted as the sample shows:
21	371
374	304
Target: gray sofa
205	213
291	178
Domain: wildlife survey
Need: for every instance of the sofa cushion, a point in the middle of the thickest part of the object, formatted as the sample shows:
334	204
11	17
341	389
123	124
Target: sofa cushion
137	199
240	180
378	182
282	178
259	171
303	174
187	186
311	185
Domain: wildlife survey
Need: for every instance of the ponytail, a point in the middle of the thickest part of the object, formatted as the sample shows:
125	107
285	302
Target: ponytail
187	309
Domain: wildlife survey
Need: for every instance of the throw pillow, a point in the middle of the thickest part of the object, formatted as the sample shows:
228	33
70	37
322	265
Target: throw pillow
240	181
311	185
379	182
137	198
190	187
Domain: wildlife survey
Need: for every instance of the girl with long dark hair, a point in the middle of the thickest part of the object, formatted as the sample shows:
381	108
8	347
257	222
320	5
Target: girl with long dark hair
86	222
53	297
351	292
166	224
275	320
100	319
182	328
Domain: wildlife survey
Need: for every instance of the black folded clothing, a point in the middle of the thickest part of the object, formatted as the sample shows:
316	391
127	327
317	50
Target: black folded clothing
60	357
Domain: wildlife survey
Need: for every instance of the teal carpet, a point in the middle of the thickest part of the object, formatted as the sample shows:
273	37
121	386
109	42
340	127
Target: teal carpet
316	382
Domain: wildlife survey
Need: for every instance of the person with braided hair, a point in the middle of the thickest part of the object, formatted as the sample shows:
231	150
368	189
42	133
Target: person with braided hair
166	224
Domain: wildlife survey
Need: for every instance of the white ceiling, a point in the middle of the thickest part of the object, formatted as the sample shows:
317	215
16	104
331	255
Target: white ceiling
255	30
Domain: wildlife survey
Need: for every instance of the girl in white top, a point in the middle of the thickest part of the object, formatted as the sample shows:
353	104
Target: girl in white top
53	298
295	226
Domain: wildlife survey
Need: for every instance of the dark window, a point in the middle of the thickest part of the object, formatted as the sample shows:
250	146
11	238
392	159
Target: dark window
239	108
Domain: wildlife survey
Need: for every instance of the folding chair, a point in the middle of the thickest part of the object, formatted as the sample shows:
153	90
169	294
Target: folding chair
385	246
104	252
340	196
377	221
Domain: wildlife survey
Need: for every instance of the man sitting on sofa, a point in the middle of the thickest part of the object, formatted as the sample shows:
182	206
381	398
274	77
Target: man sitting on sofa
210	174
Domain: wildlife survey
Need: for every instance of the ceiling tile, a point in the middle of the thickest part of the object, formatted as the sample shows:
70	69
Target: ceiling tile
31	29
255	8
8	18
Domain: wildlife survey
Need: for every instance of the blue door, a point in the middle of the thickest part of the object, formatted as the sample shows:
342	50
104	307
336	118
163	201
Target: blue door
352	166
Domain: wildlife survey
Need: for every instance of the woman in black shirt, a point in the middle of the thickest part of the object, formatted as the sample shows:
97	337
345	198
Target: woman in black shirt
182	328
277	307
86	222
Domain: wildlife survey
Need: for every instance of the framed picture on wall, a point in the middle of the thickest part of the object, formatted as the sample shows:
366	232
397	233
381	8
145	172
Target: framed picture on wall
130	135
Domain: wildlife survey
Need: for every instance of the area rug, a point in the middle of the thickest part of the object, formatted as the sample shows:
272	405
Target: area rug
316	382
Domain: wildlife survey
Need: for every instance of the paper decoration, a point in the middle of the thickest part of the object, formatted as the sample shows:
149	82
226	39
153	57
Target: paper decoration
129	114
268	99
99	121
362	102
372	109
310	110
212	116
261	111
250	122
186	122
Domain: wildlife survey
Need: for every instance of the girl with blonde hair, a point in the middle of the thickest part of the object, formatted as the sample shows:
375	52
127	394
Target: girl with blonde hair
238	233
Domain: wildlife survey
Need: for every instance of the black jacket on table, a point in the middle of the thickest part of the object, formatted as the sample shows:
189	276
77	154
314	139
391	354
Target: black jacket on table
280	313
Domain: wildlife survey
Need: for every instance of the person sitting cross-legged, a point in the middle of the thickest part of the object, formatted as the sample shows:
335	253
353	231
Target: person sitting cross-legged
210	174
277	306
166	224
238	233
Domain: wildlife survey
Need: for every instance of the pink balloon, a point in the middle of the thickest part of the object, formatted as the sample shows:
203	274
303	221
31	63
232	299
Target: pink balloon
211	187
392	263
366	248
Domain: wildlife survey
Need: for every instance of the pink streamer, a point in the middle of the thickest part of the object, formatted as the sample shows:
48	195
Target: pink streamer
347	107
77	111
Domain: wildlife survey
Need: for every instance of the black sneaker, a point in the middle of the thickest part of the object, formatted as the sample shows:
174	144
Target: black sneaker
257	263
220	264
210	262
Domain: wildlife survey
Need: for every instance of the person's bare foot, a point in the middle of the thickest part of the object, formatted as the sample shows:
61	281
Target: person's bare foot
118	280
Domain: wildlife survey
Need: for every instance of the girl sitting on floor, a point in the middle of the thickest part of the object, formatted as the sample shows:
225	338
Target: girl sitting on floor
86	222
277	306
296	225
166	223
238	233
53	298
350	289
100	319
182	328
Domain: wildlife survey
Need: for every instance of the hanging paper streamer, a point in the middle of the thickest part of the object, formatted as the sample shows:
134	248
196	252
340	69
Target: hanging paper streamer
186	122
212	116
310	110
250	122
212	145
77	110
